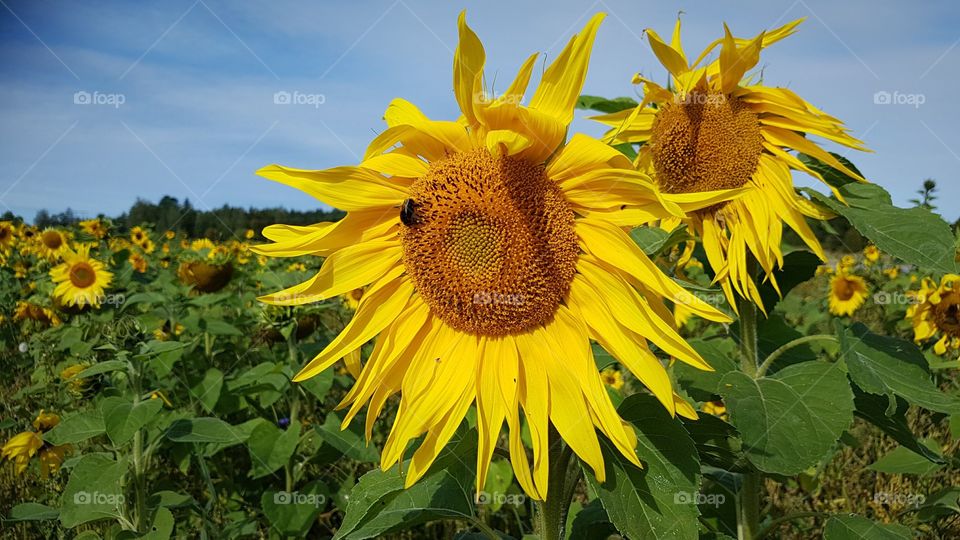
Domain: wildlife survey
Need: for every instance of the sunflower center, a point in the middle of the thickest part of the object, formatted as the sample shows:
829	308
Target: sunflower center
705	142
844	289
490	245
947	314
82	275
52	239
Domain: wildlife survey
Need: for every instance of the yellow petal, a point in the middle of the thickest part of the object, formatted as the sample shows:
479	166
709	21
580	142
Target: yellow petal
468	63
346	188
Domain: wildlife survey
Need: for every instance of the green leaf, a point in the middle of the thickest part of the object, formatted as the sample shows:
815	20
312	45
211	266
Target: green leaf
602	357
122	418
654	240
717	442
218	327
858	528
798	266
319	385
271	448
591	522
33	512
913	235
703	385
789	421
892	366
208	389
94	491
292	513
203	430
349	442
379	504
101	367
605	105
656	501
76	428
889	416
903	461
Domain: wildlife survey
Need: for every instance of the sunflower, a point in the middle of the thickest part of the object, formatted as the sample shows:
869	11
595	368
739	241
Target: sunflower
712	129
138	262
25	311
937	312
94	227
871	254
612	378
8	236
80	279
75	385
484	245
848	292
138	235
23	446
52	244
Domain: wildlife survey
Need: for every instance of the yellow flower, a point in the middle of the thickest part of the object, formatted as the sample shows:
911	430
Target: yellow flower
170	235
94	227
716	408
352	298
157	394
893	272
492	253
20	269
612	378
7	236
23	446
76	386
937	312
138	262
28	311
297	267
147	245
138	235
847	293
249	234
81	280
847	262
712	129
52	244
871	254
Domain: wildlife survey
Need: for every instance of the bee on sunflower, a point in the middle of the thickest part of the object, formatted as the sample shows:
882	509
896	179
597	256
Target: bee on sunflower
712	129
21	448
484	245
937	313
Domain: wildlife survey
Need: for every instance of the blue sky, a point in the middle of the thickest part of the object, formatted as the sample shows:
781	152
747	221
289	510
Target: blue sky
177	96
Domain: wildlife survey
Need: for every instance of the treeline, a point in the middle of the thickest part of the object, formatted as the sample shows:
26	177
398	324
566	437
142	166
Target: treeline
172	215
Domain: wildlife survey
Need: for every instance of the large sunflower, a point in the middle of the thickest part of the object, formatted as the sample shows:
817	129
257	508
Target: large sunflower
713	129
81	280
485	247
937	313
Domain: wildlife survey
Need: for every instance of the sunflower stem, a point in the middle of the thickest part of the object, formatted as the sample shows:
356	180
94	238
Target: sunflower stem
748	500
552	511
789	345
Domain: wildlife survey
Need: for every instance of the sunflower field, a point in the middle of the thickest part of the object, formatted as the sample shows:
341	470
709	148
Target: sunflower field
515	331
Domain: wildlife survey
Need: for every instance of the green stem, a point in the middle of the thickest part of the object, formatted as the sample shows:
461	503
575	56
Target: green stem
789	345
552	511
748	500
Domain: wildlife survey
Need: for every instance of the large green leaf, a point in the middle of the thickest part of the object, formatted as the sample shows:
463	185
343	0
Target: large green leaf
94	491
122	418
914	235
271	448
888	414
203	430
903	461
32	512
853	527
702	385
292	513
656	501
789	421
605	105
379	504
892	366
76	428
207	390
349	442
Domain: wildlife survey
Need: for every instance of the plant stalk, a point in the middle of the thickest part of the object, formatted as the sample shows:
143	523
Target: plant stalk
748	500
564	475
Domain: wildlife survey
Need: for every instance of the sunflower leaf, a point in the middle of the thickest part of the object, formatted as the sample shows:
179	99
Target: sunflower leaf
605	105
94	491
913	235
789	421
854	527
891	366
656	501
876	410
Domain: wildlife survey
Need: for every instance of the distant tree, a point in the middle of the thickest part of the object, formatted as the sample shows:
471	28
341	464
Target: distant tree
927	195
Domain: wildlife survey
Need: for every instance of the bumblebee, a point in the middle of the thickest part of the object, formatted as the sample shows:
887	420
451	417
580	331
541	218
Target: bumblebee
408	213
